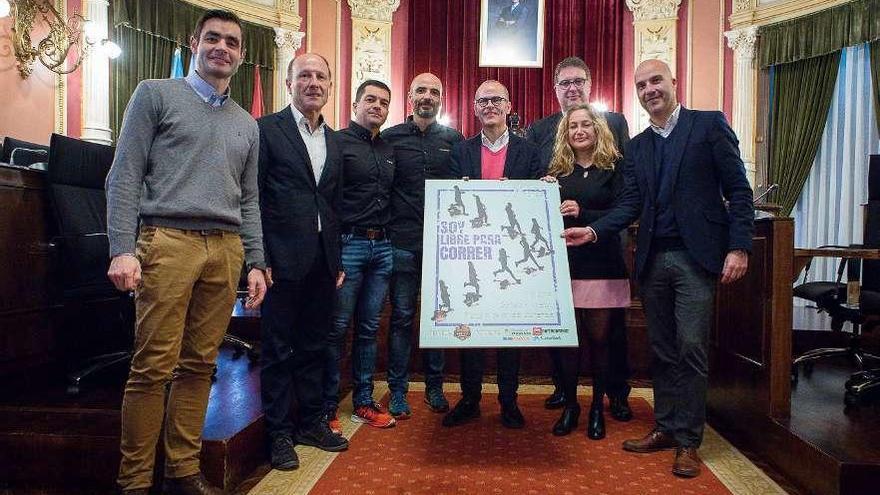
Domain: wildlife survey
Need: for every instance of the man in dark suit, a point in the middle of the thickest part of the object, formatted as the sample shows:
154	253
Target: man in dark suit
300	188
573	82
494	153
678	174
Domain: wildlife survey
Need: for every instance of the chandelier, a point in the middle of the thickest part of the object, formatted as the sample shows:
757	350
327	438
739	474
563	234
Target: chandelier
73	35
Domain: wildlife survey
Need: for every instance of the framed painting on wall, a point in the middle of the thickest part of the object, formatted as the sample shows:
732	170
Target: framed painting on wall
511	33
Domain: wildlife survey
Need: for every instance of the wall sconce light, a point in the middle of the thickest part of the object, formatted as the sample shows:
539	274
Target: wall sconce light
65	35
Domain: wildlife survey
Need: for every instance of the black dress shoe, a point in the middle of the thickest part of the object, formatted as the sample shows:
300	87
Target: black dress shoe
511	417
556	400
596	423
463	412
322	437
282	456
620	409
568	421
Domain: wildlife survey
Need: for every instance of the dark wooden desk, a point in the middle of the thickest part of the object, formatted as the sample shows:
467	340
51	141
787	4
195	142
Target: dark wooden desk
802	256
25	336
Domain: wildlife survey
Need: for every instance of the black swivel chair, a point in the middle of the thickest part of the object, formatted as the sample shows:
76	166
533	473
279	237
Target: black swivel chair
22	153
831	297
76	173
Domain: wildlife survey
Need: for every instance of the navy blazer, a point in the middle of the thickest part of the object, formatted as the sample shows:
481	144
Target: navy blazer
522	162
542	133
290	199
708	170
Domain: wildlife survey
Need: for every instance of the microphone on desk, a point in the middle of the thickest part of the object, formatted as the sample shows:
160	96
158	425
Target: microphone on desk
761	196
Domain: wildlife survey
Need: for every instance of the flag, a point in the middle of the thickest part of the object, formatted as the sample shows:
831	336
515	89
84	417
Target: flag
257	105
176	64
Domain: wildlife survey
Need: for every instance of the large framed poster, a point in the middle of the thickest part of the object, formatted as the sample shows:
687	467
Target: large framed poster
512	33
494	269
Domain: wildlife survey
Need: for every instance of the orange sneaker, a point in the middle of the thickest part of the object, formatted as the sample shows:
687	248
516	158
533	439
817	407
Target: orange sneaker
333	423
374	415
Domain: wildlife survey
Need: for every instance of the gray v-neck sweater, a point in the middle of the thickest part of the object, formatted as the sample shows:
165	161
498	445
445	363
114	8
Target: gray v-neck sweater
184	164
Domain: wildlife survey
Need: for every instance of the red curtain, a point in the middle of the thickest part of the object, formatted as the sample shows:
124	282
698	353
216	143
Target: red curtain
444	39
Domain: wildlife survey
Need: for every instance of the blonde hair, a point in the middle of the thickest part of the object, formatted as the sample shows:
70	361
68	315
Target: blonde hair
605	152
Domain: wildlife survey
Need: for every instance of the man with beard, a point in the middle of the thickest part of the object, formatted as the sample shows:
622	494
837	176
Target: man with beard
368	173
300	190
421	151
685	158
573	83
494	153
185	170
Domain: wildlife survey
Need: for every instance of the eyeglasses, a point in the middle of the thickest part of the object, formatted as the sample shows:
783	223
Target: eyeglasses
496	101
567	83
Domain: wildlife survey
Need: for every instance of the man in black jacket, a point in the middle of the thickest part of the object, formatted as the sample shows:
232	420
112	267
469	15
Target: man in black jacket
573	82
421	151
686	184
494	153
300	188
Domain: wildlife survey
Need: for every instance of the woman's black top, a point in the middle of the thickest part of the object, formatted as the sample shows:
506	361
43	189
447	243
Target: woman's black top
595	193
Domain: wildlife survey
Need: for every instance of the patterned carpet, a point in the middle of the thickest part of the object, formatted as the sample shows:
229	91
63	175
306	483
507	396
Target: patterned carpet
419	456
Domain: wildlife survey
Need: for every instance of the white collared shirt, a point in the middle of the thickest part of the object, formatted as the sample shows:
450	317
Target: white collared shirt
499	143
316	144
664	132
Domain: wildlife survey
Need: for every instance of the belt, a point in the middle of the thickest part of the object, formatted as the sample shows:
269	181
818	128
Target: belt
207	232
665	244
371	233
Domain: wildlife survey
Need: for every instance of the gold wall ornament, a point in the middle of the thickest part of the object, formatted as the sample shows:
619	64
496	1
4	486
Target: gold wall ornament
53	50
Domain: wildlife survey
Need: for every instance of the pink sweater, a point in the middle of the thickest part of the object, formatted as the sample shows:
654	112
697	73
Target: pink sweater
492	164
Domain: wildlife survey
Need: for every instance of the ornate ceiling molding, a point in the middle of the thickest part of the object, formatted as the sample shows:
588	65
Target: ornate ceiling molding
376	10
758	14
649	10
271	13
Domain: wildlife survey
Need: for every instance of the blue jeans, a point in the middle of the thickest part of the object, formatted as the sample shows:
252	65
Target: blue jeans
367	265
405	285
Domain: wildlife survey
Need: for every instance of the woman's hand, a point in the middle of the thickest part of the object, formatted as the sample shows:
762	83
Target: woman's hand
570	208
548	178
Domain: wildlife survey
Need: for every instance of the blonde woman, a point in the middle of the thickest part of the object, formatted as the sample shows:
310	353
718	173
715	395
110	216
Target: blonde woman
584	159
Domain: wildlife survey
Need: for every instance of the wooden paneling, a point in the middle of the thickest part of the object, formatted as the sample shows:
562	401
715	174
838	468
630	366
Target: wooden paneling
25	301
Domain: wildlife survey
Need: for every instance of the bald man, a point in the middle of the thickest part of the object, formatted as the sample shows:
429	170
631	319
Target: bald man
678	174
300	189
494	153
421	151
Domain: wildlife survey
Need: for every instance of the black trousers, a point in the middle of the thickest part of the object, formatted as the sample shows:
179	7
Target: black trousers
296	318
473	365
618	357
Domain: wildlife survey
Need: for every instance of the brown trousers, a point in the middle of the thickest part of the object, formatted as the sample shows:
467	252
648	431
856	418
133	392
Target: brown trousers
183	305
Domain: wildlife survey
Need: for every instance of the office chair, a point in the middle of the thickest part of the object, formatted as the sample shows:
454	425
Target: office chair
865	385
831	297
23	153
76	174
239	345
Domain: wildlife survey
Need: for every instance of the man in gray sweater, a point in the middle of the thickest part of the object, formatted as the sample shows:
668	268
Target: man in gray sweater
186	168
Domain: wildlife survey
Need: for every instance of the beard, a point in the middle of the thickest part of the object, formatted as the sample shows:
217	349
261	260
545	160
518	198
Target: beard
427	112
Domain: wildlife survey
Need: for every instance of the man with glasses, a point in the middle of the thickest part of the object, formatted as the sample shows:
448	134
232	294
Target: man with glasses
573	83
421	151
494	153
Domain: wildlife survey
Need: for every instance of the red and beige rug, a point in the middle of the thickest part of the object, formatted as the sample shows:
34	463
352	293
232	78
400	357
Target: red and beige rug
420	456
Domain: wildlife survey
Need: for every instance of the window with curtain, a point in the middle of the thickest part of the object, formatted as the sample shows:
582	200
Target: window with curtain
149	32
829	210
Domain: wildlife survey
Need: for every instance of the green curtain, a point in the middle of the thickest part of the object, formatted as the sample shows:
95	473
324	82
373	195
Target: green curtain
803	93
149	32
821	33
875	78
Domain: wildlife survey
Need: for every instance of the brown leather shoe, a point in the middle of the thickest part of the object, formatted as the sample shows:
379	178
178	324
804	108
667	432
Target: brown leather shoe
652	442
189	485
687	462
